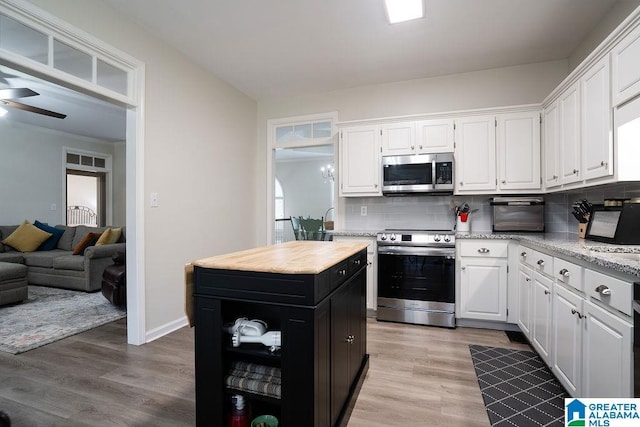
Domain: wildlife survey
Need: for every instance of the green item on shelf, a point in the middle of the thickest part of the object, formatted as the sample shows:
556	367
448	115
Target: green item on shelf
265	421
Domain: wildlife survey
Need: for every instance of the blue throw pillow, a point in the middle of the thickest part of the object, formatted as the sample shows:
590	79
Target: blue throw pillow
51	242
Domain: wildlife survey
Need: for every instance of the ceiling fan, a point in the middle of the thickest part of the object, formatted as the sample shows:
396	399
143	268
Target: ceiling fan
7	97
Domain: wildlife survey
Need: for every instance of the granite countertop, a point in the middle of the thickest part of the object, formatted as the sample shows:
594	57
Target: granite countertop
624	259
295	257
356	233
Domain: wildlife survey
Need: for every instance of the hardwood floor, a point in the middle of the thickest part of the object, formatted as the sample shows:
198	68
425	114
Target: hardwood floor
417	376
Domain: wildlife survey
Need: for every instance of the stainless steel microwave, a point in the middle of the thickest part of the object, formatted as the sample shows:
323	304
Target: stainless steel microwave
417	174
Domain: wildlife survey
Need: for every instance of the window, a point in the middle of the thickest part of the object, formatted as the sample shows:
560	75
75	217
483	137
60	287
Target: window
303	131
279	200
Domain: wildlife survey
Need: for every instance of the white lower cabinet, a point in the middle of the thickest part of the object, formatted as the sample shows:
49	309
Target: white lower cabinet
483	280
607	354
567	338
541	315
525	285
372	267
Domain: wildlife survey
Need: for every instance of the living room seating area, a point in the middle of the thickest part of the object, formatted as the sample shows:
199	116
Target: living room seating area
61	256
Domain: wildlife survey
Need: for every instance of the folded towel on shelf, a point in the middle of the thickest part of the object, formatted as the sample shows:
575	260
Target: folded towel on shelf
255	378
255	367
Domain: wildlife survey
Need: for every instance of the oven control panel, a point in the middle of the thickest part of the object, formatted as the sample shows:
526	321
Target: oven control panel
392	237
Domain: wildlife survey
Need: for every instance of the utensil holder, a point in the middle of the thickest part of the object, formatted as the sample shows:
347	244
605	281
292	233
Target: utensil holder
463	226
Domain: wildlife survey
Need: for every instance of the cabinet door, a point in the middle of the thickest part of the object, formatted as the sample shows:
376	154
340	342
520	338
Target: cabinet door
519	151
483	289
398	138
475	154
625	80
541	316
567	339
569	104
597	138
360	161
551	145
524	300
607	351
434	136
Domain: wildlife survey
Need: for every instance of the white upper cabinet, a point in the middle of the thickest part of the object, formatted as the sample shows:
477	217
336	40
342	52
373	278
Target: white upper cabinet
551	126
519	151
398	138
570	153
435	136
419	137
597	139
625	59
360	161
475	154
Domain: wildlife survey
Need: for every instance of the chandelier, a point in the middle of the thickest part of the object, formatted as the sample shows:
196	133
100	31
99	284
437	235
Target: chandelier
327	173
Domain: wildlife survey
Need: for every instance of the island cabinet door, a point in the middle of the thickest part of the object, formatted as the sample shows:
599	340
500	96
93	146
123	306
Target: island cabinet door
349	337
306	366
208	361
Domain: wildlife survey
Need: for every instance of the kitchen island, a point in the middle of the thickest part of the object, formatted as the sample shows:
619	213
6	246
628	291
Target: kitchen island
313	293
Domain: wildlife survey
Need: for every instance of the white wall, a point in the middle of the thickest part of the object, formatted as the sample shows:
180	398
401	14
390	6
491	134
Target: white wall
119	183
199	150
524	84
305	192
32	171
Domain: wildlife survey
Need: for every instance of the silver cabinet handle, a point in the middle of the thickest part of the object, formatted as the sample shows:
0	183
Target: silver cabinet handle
420	146
413	147
375	185
350	339
603	290
463	268
546	292
483	251
504	182
540	262
554	177
564	272
356	262
461	184
523	254
580	315
527	279
575	171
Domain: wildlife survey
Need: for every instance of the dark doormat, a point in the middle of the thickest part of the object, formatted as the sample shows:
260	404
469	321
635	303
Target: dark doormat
517	388
516	336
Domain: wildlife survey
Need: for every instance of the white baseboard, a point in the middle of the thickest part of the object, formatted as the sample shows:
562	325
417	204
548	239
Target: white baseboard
165	329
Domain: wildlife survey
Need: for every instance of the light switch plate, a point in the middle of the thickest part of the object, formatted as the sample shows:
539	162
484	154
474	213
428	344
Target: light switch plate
154	200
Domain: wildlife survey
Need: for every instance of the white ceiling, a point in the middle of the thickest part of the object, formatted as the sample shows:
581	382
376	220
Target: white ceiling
279	47
270	48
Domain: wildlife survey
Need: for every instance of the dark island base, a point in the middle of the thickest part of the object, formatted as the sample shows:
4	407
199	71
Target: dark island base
343	419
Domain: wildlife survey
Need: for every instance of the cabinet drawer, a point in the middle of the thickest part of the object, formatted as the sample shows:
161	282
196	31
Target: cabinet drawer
357	261
484	248
526	256
542	263
568	273
611	292
339	273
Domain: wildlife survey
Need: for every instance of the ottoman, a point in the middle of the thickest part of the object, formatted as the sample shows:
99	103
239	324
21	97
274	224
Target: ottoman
13	283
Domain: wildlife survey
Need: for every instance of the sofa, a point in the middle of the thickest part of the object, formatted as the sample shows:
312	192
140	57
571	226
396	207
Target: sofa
58	266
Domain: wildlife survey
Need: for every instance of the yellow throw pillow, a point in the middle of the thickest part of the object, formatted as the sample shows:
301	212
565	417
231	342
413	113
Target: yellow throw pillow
109	236
26	238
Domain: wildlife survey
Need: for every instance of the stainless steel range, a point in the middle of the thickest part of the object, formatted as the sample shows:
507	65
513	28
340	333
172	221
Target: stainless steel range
416	277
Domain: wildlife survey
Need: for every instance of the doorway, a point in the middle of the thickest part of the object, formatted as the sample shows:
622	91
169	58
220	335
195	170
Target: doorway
86	198
304	186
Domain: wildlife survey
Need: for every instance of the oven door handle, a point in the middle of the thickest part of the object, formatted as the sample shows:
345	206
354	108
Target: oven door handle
416	250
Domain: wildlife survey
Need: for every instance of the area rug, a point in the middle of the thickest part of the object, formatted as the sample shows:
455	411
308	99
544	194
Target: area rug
517	387
51	314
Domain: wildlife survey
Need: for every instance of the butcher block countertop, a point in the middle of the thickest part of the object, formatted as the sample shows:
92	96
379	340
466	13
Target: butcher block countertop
296	257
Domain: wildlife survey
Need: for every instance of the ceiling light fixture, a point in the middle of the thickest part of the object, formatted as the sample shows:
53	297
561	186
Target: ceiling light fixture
404	10
3	112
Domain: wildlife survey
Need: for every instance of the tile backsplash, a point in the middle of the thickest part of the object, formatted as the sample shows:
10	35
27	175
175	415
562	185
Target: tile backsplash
436	213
